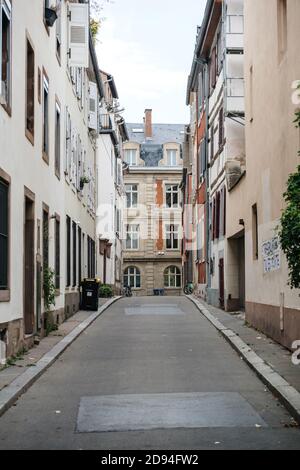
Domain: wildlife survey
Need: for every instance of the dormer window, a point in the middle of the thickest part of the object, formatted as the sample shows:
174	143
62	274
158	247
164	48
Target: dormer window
172	157
131	157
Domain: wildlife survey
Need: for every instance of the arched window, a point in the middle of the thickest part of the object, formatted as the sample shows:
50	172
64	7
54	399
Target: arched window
172	277
132	277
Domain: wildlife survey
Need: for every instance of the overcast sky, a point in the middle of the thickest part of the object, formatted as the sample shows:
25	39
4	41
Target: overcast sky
148	46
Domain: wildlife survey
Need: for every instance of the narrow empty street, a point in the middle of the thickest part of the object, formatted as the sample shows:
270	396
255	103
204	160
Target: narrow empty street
151	373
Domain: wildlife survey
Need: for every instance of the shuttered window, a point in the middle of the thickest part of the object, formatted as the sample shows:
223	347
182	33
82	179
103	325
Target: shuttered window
4	235
221	127
5	52
57	254
68	251
57	139
74	254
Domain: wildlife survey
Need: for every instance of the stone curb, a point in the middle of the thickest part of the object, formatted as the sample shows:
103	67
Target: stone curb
10	394
287	394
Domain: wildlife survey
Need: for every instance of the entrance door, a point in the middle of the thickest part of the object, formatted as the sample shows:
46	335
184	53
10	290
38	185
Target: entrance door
38	267
221	283
29	267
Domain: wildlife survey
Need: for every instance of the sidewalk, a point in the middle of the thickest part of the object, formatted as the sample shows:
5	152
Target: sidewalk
271	361
9	373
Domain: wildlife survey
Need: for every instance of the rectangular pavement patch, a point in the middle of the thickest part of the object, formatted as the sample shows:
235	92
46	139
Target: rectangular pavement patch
165	411
154	309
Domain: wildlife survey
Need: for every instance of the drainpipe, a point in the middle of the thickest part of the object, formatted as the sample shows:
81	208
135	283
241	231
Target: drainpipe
208	216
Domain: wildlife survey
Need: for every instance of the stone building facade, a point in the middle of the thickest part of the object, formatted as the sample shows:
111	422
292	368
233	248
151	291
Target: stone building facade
153	213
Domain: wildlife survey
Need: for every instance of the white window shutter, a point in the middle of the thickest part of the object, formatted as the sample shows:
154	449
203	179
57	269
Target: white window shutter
93	106
79	35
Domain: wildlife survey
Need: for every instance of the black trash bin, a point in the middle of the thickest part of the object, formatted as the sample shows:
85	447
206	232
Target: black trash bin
90	294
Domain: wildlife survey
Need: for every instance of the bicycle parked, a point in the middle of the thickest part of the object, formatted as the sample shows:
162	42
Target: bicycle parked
189	288
127	291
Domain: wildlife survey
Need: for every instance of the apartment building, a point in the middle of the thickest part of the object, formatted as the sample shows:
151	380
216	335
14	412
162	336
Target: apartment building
272	72
216	96
111	190
50	89
153	215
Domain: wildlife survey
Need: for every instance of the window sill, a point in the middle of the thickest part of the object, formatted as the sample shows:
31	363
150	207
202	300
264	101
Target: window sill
7	109
5	295
29	136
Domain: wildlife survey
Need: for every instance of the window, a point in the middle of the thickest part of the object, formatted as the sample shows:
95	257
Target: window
132	278
30	91
130	157
255	231
74	230
172	195
91	247
219	53
58	28
57	253
282	28
131	195
4	234
79	255
212	143
45	238
57	139
221	128
132	237
172	242
45	118
172	157
68	252
213	69
172	277
5	51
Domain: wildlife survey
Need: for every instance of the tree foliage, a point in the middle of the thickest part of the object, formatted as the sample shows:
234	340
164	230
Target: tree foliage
289	232
96	8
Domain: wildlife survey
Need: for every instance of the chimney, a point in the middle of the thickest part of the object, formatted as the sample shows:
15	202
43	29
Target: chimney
148	123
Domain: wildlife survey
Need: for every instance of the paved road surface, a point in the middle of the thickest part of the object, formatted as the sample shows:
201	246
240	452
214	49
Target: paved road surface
150	373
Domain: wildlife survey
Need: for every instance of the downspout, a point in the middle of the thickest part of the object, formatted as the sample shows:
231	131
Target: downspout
208	215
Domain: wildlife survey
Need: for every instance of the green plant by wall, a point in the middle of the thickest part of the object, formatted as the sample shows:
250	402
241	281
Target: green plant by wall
289	232
105	292
49	288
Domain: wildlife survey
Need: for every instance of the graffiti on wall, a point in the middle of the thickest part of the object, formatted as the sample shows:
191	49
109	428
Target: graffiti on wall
271	255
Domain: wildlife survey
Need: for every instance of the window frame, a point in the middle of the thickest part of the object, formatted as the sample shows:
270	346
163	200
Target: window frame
169	189
30	133
57	252
168	275
45	137
5	293
171	231
172	153
135	275
57	142
6	8
132	229
131	193
131	161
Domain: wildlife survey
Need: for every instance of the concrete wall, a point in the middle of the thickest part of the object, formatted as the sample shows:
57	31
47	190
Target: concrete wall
272	143
23	162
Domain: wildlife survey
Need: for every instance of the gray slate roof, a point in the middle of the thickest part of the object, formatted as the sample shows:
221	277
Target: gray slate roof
162	133
152	149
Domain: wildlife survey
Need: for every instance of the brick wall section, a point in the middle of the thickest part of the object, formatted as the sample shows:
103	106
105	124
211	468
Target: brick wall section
159	203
